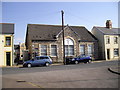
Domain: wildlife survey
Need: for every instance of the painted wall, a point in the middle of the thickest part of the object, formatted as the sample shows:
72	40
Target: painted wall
101	46
111	46
4	49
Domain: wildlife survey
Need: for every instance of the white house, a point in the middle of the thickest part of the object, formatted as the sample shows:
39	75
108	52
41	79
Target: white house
109	41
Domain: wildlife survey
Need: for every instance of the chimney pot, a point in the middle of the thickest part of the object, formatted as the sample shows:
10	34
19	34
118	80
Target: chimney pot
109	24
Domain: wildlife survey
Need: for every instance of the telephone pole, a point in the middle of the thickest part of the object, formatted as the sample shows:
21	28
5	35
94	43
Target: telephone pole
64	60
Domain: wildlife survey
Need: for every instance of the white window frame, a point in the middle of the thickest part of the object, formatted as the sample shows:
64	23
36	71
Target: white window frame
107	39
115	40
56	50
68	44
80	48
90	54
46	49
117	52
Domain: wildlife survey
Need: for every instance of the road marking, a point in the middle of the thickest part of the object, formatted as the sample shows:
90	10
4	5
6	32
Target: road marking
35	85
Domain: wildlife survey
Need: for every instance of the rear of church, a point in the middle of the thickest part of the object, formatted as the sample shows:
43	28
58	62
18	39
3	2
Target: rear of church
48	40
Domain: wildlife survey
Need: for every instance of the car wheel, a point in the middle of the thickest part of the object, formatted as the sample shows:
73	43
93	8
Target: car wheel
47	64
76	62
89	61
29	65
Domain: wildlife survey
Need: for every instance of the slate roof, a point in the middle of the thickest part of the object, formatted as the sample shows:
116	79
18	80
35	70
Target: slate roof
48	32
6	28
113	31
83	33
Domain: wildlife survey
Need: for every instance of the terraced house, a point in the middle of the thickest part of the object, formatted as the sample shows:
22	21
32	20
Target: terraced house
6	44
47	40
109	41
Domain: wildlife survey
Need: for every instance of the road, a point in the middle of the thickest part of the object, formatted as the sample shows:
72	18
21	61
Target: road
93	75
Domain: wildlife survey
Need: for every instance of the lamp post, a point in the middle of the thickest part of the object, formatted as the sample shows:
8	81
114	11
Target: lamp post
64	60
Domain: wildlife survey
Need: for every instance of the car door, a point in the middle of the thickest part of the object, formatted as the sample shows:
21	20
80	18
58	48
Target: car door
35	61
41	60
81	58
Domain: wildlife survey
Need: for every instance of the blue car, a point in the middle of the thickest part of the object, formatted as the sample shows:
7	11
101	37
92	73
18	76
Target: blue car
81	58
38	61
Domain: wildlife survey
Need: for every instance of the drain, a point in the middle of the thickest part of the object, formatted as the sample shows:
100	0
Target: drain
20	81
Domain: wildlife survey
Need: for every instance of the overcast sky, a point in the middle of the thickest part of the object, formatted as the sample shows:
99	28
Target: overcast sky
86	14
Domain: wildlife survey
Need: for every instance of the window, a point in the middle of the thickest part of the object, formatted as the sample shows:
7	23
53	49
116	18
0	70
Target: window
69	47
107	40
82	49
116	52
69	50
53	50
115	40
43	49
44	58
8	41
89	50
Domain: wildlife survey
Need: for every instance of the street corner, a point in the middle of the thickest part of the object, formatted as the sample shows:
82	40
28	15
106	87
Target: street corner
114	69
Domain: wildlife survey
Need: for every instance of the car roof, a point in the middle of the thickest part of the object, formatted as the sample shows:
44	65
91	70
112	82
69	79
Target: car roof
42	56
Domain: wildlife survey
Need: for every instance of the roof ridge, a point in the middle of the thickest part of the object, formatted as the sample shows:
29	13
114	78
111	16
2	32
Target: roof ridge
105	27
45	24
55	25
7	23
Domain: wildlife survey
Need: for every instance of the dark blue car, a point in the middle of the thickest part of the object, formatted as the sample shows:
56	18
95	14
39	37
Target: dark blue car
38	61
81	58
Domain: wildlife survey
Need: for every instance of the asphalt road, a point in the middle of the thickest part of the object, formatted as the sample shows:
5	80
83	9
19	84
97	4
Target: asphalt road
93	75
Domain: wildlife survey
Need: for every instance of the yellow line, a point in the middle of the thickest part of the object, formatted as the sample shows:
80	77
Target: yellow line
34	85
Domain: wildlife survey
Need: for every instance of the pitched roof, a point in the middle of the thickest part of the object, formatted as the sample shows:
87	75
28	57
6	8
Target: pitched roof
113	31
49	32
6	28
83	33
43	32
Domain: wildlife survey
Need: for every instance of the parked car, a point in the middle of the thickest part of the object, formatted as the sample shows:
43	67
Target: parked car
38	61
81	58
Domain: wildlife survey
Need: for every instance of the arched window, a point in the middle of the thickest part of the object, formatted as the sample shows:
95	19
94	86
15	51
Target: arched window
69	47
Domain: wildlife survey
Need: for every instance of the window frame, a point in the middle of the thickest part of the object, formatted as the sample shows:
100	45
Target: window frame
90	54
6	41
117	52
55	50
68	50
115	40
107	39
41	53
80	49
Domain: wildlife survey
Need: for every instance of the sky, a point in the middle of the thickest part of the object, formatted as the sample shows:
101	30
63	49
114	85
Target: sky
86	14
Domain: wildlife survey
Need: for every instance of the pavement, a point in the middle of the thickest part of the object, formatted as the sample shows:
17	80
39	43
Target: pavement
96	61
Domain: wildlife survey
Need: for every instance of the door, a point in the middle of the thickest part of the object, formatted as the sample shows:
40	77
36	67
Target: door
8	58
108	53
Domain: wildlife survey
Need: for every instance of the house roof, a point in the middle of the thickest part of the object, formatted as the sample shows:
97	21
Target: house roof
49	32
113	31
6	28
83	33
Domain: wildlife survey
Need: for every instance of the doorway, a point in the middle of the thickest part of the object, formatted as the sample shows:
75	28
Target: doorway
8	58
108	54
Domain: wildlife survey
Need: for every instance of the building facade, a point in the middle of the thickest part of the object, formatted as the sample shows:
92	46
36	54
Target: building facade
48	40
109	41
6	44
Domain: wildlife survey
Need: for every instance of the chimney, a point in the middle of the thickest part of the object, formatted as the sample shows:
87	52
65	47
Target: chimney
109	24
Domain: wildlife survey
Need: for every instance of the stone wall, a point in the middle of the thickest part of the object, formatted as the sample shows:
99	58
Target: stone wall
59	42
